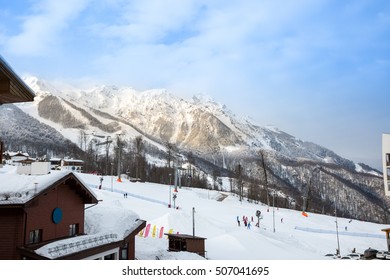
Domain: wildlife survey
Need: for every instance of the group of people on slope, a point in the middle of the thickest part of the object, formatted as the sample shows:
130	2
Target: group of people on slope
245	220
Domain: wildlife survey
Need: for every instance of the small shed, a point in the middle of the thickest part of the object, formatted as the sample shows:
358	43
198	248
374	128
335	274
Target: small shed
186	242
387	231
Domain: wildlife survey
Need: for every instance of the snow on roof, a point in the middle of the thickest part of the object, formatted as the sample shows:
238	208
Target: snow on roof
99	219
72	160
12	154
18	189
100	229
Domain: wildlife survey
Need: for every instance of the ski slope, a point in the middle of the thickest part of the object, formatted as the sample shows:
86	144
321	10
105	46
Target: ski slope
295	238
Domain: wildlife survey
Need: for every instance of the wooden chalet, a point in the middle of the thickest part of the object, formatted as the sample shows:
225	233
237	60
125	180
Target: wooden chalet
43	217
186	242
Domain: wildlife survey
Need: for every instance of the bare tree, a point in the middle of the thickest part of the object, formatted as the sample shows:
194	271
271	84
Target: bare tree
264	168
83	139
139	148
239	181
170	150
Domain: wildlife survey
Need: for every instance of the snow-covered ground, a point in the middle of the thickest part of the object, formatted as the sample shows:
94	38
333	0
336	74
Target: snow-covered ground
295	237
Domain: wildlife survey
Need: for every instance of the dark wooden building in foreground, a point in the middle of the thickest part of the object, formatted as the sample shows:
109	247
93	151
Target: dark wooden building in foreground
188	243
43	217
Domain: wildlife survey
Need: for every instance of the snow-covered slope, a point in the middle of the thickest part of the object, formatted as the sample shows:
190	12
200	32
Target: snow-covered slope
296	237
283	234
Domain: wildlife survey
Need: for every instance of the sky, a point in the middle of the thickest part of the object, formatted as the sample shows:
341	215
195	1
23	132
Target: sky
318	70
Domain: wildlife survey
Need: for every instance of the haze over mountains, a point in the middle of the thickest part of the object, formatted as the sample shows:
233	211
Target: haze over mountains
202	127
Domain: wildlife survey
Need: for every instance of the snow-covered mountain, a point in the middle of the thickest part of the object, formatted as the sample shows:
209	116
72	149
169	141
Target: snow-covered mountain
200	124
214	134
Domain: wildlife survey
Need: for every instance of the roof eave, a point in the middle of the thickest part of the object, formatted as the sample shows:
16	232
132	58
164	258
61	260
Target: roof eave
12	87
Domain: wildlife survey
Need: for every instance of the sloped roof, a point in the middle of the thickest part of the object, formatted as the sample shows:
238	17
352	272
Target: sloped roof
17	189
103	232
12	88
184	236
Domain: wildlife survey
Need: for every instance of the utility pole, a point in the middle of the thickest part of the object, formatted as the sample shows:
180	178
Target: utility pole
119	156
193	221
176	177
273	211
107	143
337	228
170	185
112	177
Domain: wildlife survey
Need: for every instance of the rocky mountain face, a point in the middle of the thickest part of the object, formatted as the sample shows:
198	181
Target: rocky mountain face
215	136
21	132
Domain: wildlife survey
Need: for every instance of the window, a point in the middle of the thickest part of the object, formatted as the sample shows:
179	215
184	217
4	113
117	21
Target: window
73	229
35	236
123	252
110	257
388	159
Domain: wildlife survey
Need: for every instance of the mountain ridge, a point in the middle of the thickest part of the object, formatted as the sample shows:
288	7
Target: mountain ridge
160	114
219	140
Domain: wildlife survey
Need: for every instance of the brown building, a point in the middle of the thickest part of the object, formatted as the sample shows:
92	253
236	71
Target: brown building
187	243
387	231
43	217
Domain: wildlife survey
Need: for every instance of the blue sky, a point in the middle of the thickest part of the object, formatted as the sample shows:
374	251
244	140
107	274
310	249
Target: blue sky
319	70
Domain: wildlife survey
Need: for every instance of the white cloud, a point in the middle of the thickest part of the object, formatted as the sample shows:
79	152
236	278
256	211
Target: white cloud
41	31
148	21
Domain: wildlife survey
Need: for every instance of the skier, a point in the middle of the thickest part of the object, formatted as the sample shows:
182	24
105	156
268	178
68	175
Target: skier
238	221
249	225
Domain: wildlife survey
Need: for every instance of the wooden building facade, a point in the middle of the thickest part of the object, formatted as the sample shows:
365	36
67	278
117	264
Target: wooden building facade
387	232
56	213
188	243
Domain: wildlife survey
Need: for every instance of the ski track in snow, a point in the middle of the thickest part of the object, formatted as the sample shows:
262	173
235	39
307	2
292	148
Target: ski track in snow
360	234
